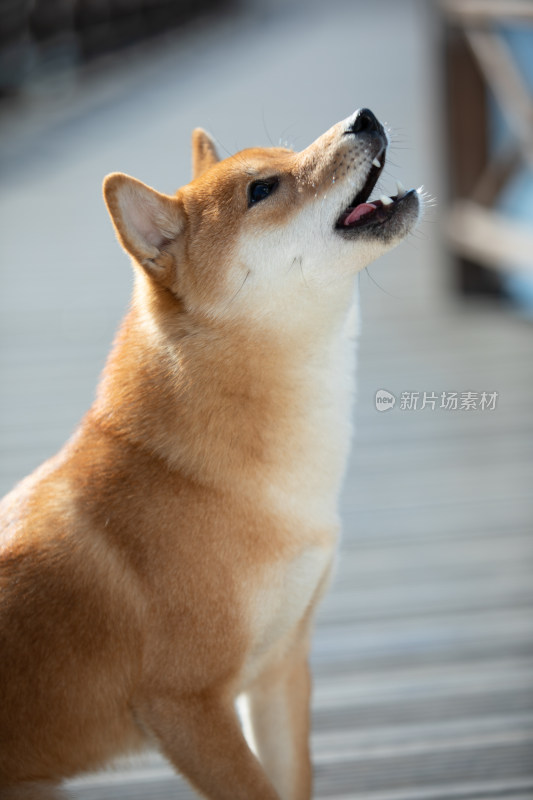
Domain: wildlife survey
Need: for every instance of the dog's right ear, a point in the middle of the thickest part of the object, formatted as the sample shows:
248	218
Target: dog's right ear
145	222
204	152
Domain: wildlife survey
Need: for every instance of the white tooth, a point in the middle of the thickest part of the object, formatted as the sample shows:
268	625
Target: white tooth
377	163
400	189
386	200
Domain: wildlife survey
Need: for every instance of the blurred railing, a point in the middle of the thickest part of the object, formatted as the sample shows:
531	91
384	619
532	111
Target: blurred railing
489	118
47	37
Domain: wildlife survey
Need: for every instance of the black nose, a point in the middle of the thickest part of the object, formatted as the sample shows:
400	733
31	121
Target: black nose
366	122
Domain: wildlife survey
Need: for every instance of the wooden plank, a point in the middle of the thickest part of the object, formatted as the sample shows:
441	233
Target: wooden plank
489	237
487	11
467	144
506	83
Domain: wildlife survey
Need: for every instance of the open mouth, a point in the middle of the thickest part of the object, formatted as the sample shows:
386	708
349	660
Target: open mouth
362	212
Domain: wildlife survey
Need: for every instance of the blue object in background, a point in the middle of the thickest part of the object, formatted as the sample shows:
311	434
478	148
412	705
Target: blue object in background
516	199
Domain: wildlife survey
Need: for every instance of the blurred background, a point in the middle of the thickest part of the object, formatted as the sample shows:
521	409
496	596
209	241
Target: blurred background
423	656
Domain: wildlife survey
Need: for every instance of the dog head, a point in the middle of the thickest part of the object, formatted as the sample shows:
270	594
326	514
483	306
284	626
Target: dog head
266	233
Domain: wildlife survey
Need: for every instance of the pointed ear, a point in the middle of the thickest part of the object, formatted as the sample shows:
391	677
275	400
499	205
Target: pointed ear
144	220
204	152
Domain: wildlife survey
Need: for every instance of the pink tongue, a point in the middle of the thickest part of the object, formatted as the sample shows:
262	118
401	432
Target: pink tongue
358	212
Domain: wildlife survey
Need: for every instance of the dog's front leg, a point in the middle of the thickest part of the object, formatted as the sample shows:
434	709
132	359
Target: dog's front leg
202	737
279	708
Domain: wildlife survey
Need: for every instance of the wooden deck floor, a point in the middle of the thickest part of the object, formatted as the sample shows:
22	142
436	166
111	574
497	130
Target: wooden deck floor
423	655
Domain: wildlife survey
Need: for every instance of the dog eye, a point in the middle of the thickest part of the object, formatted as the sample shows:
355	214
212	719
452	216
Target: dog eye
258	190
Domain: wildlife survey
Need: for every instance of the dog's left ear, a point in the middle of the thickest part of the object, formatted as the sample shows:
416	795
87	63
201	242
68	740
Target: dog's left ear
204	152
145	222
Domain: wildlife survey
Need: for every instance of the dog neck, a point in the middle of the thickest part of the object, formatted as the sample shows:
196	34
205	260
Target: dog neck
230	406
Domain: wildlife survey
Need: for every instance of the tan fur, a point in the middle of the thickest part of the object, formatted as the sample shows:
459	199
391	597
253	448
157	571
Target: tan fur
170	557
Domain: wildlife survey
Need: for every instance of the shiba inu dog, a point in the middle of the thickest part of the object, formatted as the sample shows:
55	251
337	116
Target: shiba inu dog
170	557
